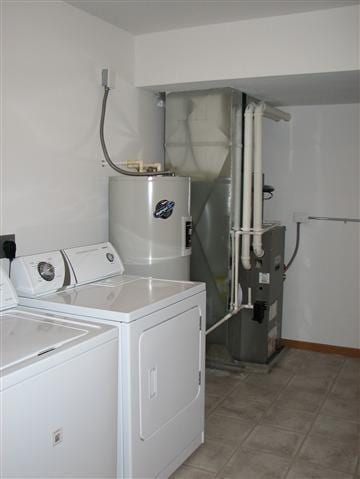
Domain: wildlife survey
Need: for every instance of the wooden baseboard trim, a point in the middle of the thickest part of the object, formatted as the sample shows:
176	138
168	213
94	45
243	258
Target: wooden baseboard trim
321	348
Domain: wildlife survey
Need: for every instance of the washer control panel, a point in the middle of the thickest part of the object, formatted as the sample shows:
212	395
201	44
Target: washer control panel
8	297
46	270
40	274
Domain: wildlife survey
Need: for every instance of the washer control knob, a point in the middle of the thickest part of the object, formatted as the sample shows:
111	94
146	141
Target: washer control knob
110	257
46	270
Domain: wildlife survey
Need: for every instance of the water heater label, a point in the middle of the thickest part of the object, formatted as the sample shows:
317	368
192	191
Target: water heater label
164	209
188	232
186	235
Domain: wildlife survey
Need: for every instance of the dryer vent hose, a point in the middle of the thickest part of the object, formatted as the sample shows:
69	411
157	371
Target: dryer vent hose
106	153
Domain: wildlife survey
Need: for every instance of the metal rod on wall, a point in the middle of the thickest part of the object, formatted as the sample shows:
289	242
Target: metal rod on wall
329	218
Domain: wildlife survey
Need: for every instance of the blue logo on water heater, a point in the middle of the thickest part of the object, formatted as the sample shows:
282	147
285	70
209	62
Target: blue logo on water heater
164	209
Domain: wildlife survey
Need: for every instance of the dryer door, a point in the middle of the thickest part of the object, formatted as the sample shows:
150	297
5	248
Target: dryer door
169	367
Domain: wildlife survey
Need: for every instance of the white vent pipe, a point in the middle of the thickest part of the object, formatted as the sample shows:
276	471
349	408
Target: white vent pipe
248	154
274	114
258	183
237	169
237	207
258	112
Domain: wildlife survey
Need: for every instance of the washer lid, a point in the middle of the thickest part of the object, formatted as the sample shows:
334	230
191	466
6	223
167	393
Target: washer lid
24	337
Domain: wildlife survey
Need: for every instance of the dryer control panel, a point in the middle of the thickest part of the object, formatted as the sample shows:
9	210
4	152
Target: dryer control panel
94	262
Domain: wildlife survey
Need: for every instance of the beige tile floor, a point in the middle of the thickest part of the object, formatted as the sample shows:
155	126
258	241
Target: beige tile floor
301	421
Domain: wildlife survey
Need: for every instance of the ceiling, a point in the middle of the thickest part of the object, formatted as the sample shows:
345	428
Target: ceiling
146	16
309	89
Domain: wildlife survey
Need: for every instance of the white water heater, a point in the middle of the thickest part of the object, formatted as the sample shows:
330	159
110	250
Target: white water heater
150	224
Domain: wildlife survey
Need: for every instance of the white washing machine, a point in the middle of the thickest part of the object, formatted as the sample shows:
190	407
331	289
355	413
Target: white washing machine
161	354
58	390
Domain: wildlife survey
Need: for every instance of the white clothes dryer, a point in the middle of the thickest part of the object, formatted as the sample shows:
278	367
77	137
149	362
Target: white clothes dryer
161	354
58	391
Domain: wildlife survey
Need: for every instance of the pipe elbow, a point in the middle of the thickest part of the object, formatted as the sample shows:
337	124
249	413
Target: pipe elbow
245	261
258	251
249	110
259	109
257	246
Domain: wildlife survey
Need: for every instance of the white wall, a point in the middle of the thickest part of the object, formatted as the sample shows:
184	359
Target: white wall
53	187
312	42
314	164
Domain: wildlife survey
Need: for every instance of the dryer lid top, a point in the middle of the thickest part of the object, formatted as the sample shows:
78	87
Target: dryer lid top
119	298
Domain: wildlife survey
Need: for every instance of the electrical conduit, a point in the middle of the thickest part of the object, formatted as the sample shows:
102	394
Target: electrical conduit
106	153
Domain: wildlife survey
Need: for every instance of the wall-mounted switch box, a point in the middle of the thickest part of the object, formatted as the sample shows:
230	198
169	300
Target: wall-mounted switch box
108	78
300	217
3	239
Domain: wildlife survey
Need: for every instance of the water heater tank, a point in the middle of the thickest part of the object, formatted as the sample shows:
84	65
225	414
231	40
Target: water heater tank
150	225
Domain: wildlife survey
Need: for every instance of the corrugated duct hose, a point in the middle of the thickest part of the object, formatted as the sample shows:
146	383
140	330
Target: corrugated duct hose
106	153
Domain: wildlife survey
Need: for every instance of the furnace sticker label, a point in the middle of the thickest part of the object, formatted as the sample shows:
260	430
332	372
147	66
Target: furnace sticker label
264	278
164	209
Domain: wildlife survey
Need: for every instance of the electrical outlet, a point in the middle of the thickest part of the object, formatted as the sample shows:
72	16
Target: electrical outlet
4	238
57	437
300	217
108	78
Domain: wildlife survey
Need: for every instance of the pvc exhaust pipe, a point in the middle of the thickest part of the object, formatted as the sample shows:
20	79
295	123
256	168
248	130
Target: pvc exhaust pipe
262	109
274	113
248	160
258	186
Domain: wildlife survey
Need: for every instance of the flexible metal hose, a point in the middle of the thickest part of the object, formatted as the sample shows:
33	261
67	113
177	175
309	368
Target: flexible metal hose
106	153
296	247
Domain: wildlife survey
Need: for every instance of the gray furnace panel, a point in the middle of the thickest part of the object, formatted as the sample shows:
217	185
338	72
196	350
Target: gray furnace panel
259	341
